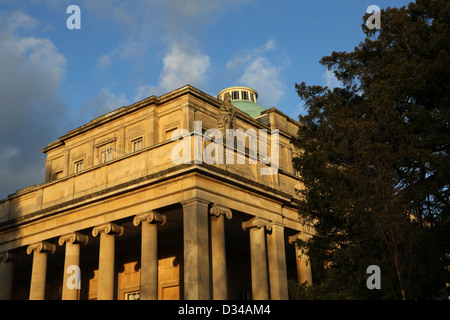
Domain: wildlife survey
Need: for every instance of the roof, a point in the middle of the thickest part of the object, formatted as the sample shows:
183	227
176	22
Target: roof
251	108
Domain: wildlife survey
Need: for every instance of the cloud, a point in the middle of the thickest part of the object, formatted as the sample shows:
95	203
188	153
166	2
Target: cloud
181	65
104	62
143	25
260	72
330	79
20	20
32	111
261	75
104	102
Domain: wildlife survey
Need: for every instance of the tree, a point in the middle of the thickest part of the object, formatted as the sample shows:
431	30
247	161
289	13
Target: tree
374	159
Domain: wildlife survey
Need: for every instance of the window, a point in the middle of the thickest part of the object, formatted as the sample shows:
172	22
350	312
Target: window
169	133
132	295
252	97
244	95
79	166
136	145
235	95
58	175
106	154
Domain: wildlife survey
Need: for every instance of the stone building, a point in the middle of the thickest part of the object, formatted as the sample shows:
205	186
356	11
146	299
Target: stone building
133	208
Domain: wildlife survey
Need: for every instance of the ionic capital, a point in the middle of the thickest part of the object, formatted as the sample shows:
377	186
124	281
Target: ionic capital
257	222
298	236
150	217
108	228
42	246
74	238
217	210
7	256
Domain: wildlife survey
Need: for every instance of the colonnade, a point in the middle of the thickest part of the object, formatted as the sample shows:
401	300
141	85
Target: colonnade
267	249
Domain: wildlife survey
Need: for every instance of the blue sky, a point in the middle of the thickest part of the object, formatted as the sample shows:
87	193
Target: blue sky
53	79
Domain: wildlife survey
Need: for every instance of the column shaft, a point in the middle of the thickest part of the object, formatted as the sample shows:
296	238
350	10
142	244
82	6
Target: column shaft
71	278
106	267
260	286
149	253
258	256
39	269
149	262
303	267
218	251
196	250
277	263
38	276
218	257
72	259
106	259
6	276
303	264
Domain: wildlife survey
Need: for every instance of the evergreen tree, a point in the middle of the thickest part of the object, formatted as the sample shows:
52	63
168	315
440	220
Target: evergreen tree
374	160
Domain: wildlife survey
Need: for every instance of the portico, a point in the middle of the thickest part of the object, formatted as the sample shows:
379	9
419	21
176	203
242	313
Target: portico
141	226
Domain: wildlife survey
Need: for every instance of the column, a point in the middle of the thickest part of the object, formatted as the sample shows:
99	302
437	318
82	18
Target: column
70	290
303	264
39	269
260	285
277	263
218	253
149	253
6	275
107	232
196	250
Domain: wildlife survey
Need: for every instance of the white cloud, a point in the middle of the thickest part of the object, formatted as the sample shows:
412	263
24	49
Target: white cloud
264	77
106	101
104	61
330	79
20	20
182	65
145	26
270	45
256	69
32	111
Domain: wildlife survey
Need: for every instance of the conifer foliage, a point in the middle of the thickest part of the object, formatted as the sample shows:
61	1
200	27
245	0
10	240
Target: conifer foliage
374	161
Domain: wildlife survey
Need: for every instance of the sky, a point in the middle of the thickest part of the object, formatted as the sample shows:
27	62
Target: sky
54	79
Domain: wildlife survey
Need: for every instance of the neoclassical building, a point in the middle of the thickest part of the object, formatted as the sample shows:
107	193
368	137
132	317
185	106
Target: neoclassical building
140	204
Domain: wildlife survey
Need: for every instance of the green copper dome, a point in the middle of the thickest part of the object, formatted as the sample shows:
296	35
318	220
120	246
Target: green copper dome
244	99
251	108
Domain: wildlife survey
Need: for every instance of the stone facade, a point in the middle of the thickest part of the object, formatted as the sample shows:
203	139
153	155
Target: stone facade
116	218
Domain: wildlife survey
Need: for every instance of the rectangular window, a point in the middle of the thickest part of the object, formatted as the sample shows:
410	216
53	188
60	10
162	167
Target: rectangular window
244	95
169	133
79	166
136	145
58	175
106	154
235	95
132	295
252	97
